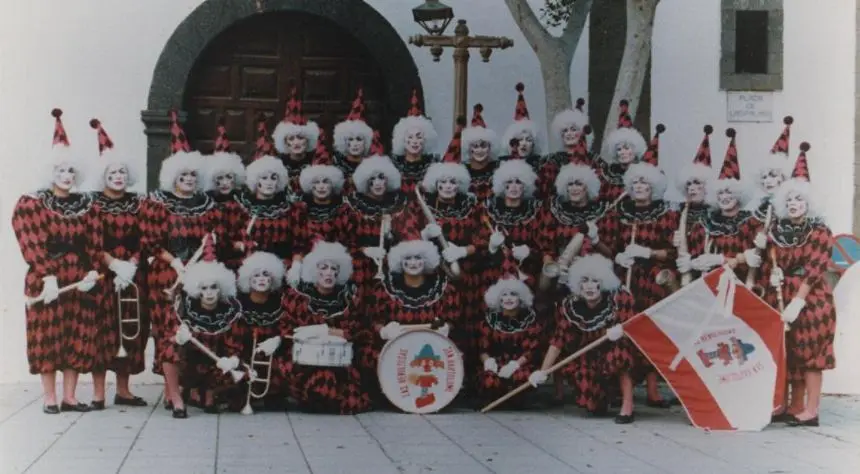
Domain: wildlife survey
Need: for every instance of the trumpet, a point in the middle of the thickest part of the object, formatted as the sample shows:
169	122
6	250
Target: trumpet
384	228
780	299
452	269
253	377
134	321
553	269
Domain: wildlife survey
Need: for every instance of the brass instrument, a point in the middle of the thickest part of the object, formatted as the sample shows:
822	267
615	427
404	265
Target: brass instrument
522	276
780	299
452	269
686	277
553	270
135	320
384	228
751	272
254	377
38	299
237	375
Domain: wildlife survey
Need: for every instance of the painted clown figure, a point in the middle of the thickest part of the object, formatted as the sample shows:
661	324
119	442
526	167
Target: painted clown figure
426	361
694	181
480	154
353	140
328	213
622	148
508	338
520	140
414	139
327	308
772	170
598	305
295	139
223	178
60	235
570	143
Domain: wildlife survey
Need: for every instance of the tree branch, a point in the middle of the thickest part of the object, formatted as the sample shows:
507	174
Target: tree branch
525	18
576	23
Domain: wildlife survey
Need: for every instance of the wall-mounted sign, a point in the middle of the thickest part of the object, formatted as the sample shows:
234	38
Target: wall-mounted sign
749	106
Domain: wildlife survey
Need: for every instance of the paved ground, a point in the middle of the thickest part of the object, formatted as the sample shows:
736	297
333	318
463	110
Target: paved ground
560	441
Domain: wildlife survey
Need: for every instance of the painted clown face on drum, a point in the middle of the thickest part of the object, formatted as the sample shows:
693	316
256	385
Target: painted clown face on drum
570	135
225	182
796	205
321	188
65	176
726	200
261	281
209	294
116	177
413	265
625	153
771	180
186	182
641	189
695	191
589	288
447	187
577	192
378	185
479	151
296	144
415	141
267	185
509	300
326	275
355	146
514	189
525	144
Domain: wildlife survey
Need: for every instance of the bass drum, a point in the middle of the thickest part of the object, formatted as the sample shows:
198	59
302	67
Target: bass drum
420	371
845	378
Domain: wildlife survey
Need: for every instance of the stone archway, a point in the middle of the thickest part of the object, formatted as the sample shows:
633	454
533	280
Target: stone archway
190	39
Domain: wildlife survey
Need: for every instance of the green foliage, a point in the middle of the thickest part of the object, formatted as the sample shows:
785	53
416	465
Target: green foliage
556	12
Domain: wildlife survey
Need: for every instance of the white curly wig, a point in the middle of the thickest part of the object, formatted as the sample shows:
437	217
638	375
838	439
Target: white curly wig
265	165
261	262
511	169
311	173
310	130
63	155
626	135
178	163
332	252
577	172
372	166
113	159
692	171
779	162
493	295
795	187
565	119
593	266
475	134
438	171
653	175
739	189
200	273
398	140
222	162
517	128
347	129
426	250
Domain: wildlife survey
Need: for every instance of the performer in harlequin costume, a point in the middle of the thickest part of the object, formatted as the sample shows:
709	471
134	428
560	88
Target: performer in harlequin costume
508	338
354	140
327	304
119	209
328	213
413	142
223	178
623	147
60	236
295	139
598	305
209	310
520	140
694	180
570	142
377	194
480	151
772	170
802	244
269	219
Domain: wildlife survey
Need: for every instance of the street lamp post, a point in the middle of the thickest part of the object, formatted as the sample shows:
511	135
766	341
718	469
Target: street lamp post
434	17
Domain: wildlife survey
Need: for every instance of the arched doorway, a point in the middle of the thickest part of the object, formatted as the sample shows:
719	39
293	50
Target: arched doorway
236	59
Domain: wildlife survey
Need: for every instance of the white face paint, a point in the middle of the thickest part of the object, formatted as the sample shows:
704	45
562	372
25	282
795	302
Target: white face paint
695	191
224	182
186	182
267	185
296	144
514	189
355	146
327	275
589	288
447	187
321	188
641	189
116	177
415	141
413	265
479	151
64	176
378	185
625	153
525	144
771	181
570	135
577	192
209	294
509	300
727	200
261	281
796	205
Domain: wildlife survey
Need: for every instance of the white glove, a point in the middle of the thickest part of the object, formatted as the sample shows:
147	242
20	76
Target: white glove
676	239
562	276
452	253
752	258
624	260
269	346
374	253
490	365
177	265
593	235
444	329
431	231
537	377
684	263
311	332
125	270
520	252
50	290
509	369
792	311
226	364
615	333
776	277
183	334
89	281
706	261
120	284
390	331
638	251
760	241
294	275
496	240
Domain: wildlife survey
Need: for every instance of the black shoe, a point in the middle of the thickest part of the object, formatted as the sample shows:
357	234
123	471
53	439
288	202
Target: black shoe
795	421
97	405
79	407
658	403
131	402
212	409
624	419
180	413
51	409
783	417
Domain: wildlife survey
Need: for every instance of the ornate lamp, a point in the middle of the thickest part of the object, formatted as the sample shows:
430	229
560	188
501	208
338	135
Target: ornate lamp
434	16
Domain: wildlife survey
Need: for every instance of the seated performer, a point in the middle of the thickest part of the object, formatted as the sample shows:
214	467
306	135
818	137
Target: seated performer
598	305
508	338
328	213
480	152
520	140
413	142
295	138
326	308
623	147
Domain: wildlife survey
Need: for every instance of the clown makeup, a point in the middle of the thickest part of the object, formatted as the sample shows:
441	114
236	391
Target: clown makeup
224	183
525	144
64	177
625	153
355	146
261	281
641	190
589	288
727	201
577	192
296	144
514	189
796	205
414	142
116	177
695	191
326	275
321	188
378	185
413	265
771	181
479	151
267	185
186	182
447	187
570	135
509	300
209	293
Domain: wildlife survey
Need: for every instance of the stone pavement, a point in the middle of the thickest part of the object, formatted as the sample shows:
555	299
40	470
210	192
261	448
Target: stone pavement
559	441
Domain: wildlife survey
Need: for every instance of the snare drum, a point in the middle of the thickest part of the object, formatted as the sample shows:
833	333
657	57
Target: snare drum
329	351
420	371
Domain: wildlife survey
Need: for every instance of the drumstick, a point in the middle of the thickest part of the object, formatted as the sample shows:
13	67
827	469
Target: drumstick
236	374
522	276
38	299
630	270
194	259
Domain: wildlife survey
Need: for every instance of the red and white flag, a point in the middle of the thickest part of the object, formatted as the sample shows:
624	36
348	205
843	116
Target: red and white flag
721	349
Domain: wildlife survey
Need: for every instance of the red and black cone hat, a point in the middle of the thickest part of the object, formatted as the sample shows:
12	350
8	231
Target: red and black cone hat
209	254
414	108
731	166
321	153
356	111
293	113
801	167
477	118
222	143
781	145
178	140
376	147
60	136
521	111
652	154
454	151
263	145
624	120
105	143
703	154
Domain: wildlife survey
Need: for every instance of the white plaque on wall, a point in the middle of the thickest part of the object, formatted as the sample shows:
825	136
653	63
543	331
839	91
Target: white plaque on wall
749	106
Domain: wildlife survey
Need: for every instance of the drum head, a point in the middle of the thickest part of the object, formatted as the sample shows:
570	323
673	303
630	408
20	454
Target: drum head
420	371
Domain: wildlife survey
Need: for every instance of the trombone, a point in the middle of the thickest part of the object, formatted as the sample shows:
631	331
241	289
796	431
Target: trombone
265	361
134	320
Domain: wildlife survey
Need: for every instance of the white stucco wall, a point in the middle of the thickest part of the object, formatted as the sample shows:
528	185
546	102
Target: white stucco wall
95	59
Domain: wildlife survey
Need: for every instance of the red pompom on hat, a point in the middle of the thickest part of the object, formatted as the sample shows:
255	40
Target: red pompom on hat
521	111
477	118
580	104
781	145
652	154
60	136
105	143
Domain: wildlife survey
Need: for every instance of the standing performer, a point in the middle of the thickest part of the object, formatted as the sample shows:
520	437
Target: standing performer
327	307
773	170
269	220
480	151
508	338
623	147
801	253
598	305
412	146
124	326
354	139
60	236
520	140
295	140
694	180
223	178
569	140
328	213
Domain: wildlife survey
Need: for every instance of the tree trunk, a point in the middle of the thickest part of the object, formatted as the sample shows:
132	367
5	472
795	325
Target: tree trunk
555	69
634	63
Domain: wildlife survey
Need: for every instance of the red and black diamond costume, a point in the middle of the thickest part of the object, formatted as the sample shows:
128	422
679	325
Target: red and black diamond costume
280	224
366	215
560	221
294	123
508	338
521	226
